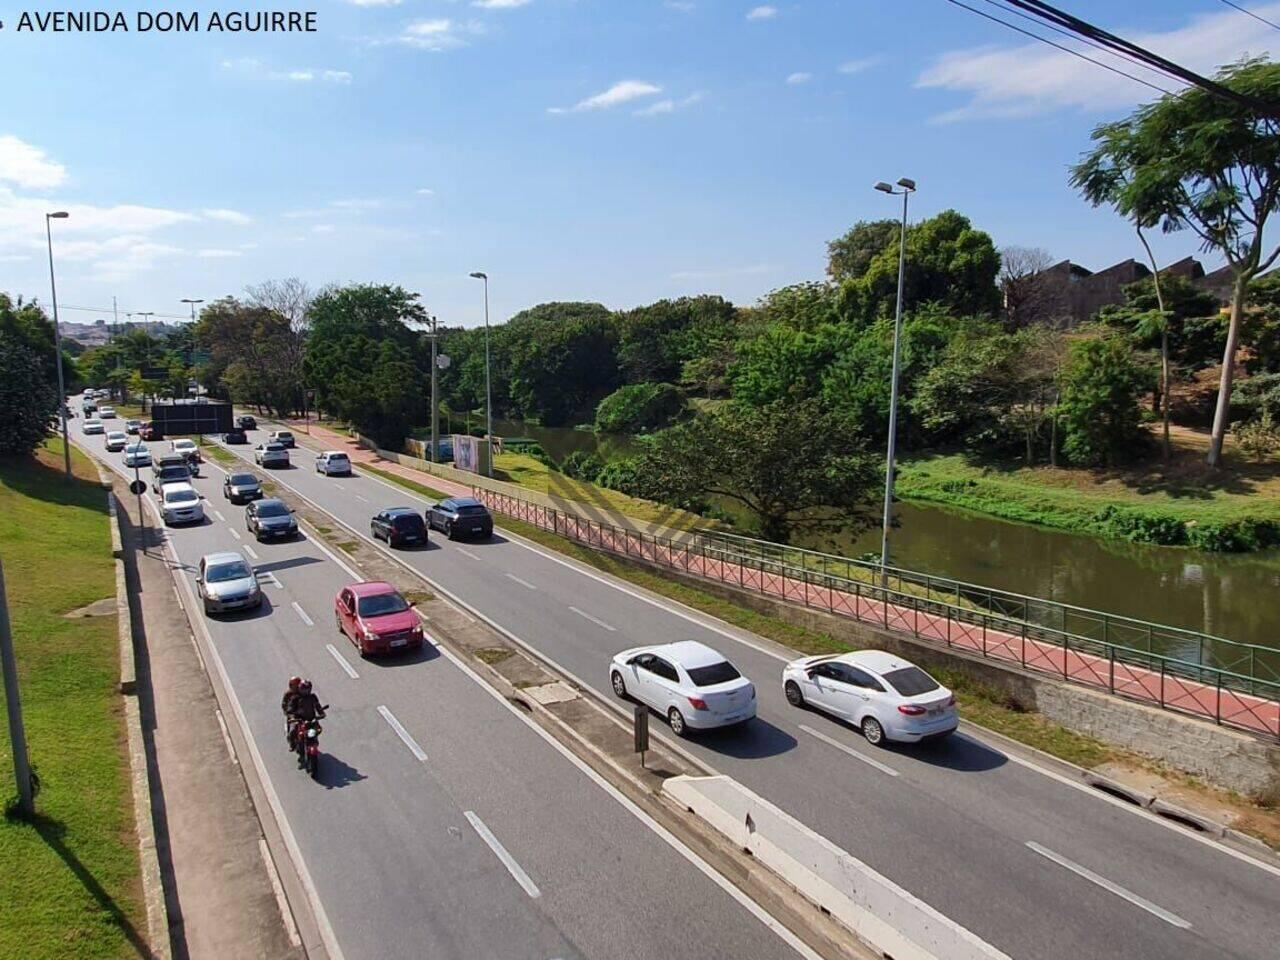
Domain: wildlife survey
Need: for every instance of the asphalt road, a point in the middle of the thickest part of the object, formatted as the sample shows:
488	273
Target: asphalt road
474	837
1039	868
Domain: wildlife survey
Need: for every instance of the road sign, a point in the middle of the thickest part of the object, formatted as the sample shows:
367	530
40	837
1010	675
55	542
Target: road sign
138	487
443	361
641	720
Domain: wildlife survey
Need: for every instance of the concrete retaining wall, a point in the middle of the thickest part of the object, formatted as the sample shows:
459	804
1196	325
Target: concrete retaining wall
875	908
1219	755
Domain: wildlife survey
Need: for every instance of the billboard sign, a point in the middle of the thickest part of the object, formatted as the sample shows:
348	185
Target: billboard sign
466	453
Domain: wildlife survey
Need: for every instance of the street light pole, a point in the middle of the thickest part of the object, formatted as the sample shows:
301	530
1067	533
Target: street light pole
908	187
57	343
488	388
17	733
435	404
200	435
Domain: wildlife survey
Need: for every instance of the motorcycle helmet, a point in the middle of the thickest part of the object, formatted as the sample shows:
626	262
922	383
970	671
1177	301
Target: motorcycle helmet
294	684
305	687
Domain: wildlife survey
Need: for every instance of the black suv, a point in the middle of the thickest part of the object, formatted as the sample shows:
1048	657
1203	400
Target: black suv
247	423
270	519
461	517
399	526
241	487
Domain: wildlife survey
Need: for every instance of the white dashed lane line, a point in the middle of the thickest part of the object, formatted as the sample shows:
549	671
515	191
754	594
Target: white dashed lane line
249	550
234	532
501	853
403	734
597	622
523	583
342	661
882	767
302	613
1109	886
221	518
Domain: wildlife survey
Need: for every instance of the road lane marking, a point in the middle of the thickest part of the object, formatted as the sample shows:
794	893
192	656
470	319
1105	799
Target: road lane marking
249	550
234	532
303	614
221	518
271	578
882	767
1110	887
523	583
467	553
501	853
403	734
338	485
587	616
361	499
342	661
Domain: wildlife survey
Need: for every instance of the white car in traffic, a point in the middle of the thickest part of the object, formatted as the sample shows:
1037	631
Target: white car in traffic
93	425
180	503
116	440
687	682
887	697
270	455
333	463
137	455
107	413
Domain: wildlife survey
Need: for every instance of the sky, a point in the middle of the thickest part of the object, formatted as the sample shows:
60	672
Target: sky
618	151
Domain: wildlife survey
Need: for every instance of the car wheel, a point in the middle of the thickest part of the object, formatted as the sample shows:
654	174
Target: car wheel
373	532
619	686
676	719
872	730
207	610
337	622
794	696
448	529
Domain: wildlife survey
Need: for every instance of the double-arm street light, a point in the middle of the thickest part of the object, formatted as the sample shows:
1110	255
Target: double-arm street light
488	389
908	188
57	342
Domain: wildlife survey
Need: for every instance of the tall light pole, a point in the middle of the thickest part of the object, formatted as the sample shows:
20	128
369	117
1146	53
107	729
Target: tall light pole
57	343
17	733
488	389
908	188
435	404
188	300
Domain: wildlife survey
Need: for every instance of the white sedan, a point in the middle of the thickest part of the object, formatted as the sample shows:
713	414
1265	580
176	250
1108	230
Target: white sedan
93	425
180	503
333	462
690	684
116	440
270	455
137	455
887	697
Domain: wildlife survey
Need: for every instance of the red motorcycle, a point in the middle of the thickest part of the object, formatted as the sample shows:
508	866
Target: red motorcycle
304	738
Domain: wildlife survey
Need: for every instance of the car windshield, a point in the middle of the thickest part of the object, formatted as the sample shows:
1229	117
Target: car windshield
243	479
473	511
407	521
337	457
222	572
168	473
182	496
273	510
911	681
382	603
721	672
284	435
273	447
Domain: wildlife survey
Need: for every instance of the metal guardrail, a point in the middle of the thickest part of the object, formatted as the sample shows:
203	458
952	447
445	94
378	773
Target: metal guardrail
1153	663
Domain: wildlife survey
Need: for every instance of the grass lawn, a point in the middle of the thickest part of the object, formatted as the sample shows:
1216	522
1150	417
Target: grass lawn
69	883
1183	492
528	472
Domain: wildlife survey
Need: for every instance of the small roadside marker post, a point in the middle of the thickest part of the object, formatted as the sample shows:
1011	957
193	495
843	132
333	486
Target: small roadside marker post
641	715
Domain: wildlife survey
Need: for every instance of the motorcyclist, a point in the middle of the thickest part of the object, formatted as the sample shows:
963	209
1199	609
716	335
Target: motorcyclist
286	706
306	707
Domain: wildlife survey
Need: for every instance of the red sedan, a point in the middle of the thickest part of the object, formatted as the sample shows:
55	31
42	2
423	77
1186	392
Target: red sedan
374	617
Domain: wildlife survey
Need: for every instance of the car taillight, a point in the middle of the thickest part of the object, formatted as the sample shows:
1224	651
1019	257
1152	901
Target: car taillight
697	703
911	710
951	700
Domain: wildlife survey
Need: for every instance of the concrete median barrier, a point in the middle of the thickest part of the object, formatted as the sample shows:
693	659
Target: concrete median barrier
874	908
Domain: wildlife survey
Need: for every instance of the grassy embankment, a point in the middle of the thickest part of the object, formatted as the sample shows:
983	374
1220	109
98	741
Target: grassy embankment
69	883
1234	509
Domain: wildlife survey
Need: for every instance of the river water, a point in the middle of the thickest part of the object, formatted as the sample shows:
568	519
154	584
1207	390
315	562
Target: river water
1232	596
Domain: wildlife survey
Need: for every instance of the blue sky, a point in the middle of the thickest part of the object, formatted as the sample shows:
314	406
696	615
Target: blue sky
575	149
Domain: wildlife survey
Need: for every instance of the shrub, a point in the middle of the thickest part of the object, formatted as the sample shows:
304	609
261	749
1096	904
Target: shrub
581	465
1139	526
1235	536
1260	438
638	407
1099	403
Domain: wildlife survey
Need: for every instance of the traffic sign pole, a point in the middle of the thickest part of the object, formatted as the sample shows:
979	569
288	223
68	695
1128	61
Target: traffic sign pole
17	734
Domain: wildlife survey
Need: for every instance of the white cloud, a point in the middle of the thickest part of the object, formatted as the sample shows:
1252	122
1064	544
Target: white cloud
335	76
722	274
763	12
661	107
228	216
355	204
683	6
624	91
799	77
860	64
375	3
27	166
498	4
255	67
1032	78
323	228
214	253
425	192
438	34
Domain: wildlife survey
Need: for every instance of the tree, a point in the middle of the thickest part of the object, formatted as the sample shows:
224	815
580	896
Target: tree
1101	384
1196	161
290	300
264	347
1023	287
655	341
849	256
638	407
28	396
792	464
562	359
28	324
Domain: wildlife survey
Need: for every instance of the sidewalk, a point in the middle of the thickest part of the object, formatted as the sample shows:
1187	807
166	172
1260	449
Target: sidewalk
220	896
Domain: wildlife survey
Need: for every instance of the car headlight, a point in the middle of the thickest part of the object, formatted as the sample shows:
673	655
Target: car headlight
254	590
370	635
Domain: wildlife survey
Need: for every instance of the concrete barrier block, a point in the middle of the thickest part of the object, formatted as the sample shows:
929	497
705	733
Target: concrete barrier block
873	907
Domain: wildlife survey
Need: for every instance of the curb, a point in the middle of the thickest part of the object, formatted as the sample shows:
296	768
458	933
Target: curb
158	939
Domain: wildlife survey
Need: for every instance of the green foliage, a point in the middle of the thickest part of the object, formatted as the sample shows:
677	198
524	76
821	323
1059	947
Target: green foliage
582	465
255	353
1101	386
1260	438
365	364
1235	536
1261	330
1195	324
1140	526
639	407
850	256
948	262
1259	395
26	323
562	359
28	397
793	464
656	341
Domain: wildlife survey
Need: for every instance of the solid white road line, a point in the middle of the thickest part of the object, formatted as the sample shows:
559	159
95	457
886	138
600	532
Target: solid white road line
221	518
598	623
500	851
234	532
302	613
466	553
523	583
342	661
249	550
1110	887
882	767
403	734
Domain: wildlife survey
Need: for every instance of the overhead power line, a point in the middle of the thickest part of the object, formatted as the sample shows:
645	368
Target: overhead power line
1250	13
125	313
